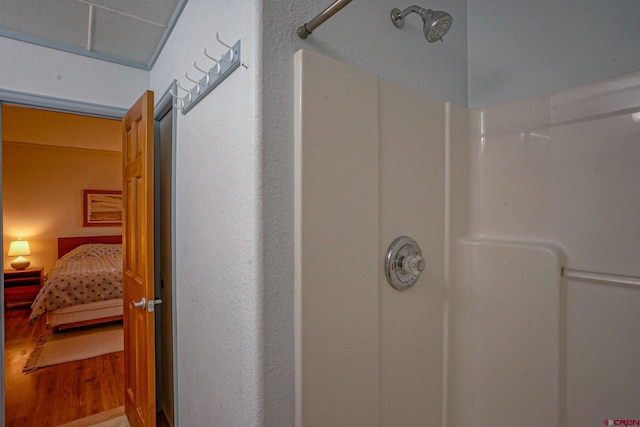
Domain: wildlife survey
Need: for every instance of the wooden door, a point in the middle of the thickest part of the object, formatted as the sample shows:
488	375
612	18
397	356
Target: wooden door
138	268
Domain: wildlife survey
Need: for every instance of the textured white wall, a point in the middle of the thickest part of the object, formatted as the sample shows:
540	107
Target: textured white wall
519	49
43	71
218	241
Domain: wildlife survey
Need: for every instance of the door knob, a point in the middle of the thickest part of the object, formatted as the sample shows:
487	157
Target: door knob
141	304
404	263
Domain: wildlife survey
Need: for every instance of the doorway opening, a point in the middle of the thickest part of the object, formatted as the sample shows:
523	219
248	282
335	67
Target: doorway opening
166	326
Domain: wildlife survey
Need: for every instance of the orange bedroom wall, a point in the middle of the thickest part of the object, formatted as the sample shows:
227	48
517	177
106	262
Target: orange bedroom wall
42	195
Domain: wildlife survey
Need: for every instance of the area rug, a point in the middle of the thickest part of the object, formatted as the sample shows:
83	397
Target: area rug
61	347
121	421
111	418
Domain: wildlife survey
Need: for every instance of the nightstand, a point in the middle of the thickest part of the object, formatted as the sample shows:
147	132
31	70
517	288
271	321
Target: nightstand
22	286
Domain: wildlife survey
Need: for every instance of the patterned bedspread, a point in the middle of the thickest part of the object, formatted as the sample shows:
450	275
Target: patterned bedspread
88	273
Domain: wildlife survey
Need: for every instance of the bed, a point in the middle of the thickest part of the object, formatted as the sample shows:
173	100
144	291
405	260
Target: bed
85	285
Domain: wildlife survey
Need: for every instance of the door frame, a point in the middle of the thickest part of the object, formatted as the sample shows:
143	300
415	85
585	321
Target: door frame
95	110
165	105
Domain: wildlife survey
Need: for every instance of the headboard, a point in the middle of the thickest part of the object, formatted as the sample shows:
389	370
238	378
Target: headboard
66	244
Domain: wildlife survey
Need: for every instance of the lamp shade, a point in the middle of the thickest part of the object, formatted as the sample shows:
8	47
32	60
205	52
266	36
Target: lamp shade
19	248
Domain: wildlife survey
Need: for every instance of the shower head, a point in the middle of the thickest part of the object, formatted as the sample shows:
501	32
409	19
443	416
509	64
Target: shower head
436	23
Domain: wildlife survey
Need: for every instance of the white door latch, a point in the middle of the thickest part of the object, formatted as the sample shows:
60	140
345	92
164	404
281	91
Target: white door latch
152	303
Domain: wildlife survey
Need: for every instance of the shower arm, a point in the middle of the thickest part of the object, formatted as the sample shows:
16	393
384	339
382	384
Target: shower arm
398	16
306	29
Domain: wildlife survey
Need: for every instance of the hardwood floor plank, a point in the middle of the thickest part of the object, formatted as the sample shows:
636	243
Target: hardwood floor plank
57	394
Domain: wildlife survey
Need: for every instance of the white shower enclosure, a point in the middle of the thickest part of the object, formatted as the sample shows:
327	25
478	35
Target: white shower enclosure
501	201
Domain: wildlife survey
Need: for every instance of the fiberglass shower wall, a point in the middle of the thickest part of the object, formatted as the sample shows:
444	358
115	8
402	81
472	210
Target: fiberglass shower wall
370	167
500	200
555	183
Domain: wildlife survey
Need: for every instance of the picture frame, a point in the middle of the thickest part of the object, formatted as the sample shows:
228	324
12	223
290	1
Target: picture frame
101	208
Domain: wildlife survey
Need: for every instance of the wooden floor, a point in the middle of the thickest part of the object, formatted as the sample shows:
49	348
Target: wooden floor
57	394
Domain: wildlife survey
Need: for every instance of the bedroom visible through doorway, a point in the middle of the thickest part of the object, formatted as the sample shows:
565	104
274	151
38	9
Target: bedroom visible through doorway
21	126
48	159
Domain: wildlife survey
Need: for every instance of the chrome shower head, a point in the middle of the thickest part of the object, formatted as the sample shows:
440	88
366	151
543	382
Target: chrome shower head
436	23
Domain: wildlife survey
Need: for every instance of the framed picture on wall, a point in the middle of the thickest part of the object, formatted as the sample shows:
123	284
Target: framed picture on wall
101	208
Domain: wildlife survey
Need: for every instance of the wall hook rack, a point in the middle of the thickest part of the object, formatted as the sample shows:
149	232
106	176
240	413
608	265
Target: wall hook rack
211	77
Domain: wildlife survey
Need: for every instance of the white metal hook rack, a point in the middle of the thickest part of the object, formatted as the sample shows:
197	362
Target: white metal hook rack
176	97
228	47
197	82
211	77
214	60
205	72
189	94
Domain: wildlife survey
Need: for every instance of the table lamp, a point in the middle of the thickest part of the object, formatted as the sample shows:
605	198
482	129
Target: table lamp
19	248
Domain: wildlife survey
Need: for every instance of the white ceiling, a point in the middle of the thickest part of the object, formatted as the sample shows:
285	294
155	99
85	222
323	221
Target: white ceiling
128	32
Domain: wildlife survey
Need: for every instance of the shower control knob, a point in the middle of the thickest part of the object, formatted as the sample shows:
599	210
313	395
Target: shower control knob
403	263
413	264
